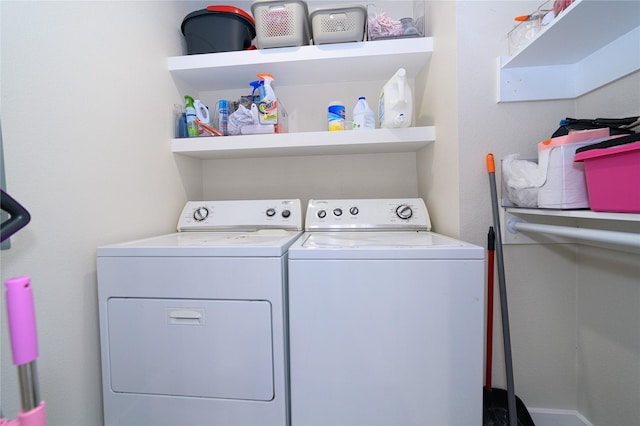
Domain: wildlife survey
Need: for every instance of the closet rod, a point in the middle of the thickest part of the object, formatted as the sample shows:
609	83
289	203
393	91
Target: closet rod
629	239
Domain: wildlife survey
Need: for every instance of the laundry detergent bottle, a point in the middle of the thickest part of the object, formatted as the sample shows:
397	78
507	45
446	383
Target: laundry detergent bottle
363	115
395	106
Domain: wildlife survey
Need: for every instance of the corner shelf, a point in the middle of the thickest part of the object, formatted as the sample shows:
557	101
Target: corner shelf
589	45
409	139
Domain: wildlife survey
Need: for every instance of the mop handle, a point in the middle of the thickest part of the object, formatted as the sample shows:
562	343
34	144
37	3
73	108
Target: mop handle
22	320
24	345
491	241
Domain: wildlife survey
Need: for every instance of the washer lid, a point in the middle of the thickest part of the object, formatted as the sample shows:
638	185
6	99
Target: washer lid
260	243
382	245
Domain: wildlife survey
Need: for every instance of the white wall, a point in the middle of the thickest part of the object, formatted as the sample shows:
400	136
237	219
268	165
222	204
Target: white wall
86	111
608	299
575	343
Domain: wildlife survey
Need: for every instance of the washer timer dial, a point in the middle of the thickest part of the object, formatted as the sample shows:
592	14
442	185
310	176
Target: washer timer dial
200	214
404	212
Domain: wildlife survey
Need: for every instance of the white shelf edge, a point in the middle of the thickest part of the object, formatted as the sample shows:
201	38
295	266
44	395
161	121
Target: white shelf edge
409	139
580	214
370	60
300	54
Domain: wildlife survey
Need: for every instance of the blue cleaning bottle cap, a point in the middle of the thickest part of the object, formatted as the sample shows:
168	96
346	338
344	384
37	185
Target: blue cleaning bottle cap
256	86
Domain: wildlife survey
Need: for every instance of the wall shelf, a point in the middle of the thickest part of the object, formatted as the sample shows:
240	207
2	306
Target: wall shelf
299	66
591	44
409	139
304	65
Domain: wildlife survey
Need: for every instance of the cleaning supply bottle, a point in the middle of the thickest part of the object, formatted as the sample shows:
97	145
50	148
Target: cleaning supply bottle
268	106
190	111
363	115
336	116
258	86
221	117
202	112
395	107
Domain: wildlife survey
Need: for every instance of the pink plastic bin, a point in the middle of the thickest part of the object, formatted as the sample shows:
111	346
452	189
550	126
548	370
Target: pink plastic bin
613	177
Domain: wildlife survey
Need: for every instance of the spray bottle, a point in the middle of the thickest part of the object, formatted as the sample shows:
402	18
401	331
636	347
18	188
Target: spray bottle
268	106
190	110
258	86
395	107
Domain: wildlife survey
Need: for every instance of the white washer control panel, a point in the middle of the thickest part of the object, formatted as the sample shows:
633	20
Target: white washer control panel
381	214
246	215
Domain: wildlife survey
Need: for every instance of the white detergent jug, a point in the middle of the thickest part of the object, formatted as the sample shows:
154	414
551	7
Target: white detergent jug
395	107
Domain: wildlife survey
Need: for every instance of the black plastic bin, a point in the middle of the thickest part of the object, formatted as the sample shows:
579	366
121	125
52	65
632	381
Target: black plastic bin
218	29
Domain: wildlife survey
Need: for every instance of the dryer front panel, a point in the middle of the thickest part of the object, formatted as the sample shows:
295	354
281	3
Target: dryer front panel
192	348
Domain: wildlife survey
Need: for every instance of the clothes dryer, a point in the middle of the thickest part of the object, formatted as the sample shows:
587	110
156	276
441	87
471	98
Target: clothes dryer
386	318
193	325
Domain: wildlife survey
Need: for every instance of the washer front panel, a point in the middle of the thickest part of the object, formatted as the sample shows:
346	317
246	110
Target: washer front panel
386	342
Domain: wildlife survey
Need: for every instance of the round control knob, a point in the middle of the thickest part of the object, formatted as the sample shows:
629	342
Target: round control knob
321	214
286	213
271	212
200	214
404	211
354	211
337	212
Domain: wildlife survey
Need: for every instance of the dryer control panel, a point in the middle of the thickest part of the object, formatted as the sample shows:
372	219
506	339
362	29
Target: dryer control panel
243	215
380	214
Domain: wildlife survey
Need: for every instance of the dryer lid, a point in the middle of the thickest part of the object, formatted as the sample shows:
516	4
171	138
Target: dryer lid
260	243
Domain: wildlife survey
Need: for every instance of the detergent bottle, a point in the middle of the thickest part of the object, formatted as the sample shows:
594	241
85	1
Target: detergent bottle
395	107
268	106
202	113
190	111
363	116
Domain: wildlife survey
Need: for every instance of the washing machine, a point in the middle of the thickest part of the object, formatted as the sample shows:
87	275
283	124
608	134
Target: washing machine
193	325
385	318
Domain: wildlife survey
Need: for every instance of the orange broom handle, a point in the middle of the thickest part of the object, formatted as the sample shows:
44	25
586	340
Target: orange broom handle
491	165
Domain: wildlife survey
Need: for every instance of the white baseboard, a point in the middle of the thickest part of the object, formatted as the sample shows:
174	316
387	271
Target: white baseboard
549	417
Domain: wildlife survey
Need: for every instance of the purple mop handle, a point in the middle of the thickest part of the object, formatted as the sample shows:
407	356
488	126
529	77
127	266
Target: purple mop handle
22	320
